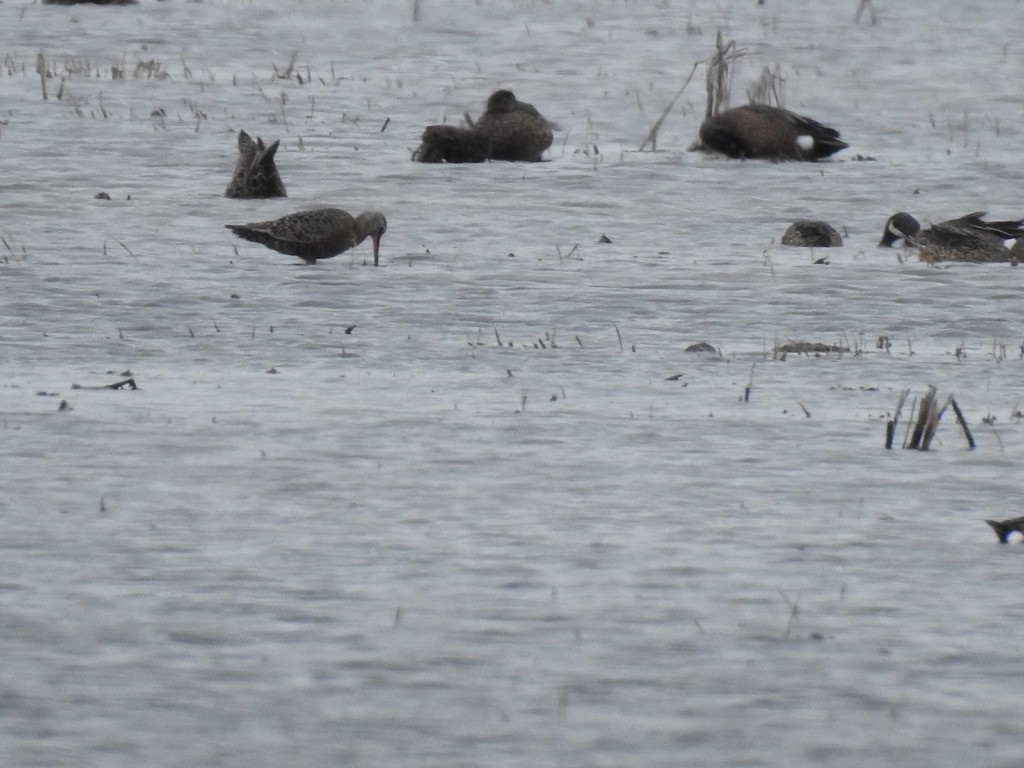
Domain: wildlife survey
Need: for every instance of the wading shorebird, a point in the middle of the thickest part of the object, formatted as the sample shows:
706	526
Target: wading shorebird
812	233
1004	528
256	175
320	233
508	130
965	239
772	133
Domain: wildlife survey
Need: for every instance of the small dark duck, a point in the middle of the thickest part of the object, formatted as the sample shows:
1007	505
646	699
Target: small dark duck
771	133
508	130
320	233
967	238
1004	528
256	175
812	233
452	144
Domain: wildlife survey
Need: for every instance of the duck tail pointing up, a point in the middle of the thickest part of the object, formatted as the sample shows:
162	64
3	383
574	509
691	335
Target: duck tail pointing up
1004	528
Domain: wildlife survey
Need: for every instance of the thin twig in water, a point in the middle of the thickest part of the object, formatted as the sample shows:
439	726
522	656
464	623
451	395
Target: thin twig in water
652	135
126	248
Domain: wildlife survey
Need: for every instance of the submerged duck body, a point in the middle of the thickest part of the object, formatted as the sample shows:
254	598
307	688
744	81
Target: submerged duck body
319	233
812	233
968	238
772	133
508	130
256	175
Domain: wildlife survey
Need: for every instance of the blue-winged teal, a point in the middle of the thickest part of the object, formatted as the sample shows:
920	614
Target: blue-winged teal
319	233
812	233
1004	528
256	174
1017	252
773	133
967	238
508	130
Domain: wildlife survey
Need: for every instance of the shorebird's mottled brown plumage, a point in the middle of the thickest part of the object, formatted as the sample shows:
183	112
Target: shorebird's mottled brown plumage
967	238
509	130
315	234
812	233
773	133
256	173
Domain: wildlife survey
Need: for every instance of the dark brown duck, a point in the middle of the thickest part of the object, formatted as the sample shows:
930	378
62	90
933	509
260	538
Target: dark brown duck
812	233
508	130
1004	528
773	133
256	175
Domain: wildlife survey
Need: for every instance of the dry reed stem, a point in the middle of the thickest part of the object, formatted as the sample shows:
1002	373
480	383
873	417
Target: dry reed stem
870	6
41	71
652	135
963	424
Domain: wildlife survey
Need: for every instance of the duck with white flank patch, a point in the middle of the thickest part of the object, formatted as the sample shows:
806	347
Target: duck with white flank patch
320	233
1004	528
967	238
771	133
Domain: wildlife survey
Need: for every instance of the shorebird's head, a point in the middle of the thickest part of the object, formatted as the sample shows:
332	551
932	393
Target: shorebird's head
372	224
502	101
900	225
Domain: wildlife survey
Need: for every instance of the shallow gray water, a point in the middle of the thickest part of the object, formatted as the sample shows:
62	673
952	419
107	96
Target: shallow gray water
489	526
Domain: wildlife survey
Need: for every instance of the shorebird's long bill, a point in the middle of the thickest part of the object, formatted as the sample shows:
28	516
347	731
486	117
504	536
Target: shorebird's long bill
376	250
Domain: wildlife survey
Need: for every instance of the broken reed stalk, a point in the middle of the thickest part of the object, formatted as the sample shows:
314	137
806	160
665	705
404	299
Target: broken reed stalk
910	423
921	432
933	423
890	427
128	383
41	71
719	80
924	414
860	11
963	423
768	88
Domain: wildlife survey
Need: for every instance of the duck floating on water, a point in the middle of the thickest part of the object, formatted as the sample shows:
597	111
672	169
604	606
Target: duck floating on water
1004	528
812	233
319	233
771	133
967	238
256	175
508	130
